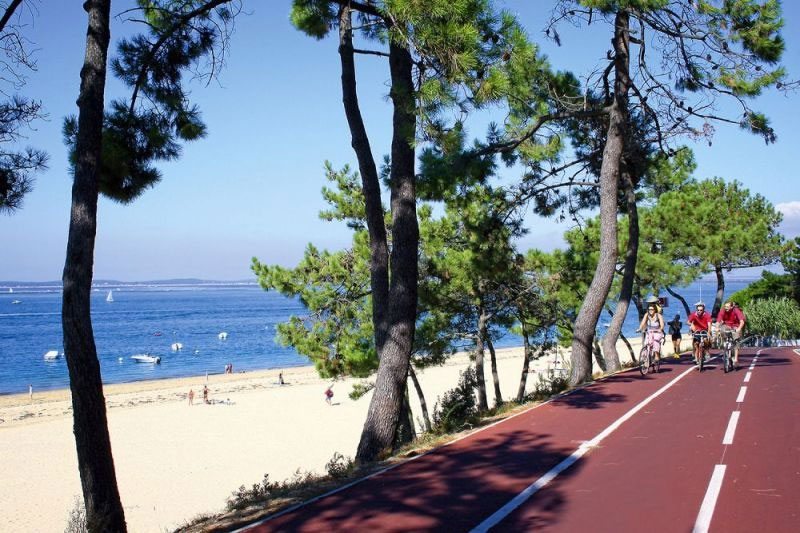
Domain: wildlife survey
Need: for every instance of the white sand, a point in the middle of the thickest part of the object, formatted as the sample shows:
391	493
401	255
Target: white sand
175	462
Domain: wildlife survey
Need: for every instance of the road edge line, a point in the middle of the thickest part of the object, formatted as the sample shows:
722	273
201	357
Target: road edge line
496	517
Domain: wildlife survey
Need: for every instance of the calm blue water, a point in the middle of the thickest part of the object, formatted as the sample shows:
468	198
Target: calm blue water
191	315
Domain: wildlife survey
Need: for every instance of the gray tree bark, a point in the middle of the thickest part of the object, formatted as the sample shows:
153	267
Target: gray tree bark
101	498
614	330
586	321
498	397
370	183
386	405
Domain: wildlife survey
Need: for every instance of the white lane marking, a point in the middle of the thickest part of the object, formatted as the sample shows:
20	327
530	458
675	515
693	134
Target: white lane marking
709	501
728	438
747	376
534	487
742	392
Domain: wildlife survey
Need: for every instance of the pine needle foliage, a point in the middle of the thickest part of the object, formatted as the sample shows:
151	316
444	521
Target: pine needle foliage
186	36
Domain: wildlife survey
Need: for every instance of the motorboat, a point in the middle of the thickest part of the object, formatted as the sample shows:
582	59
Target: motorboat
51	355
146	358
176	346
15	302
223	335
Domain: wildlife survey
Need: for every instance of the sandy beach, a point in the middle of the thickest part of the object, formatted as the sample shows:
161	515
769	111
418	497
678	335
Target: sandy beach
175	461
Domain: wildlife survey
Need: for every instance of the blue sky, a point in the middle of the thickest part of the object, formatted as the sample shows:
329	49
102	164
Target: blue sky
251	187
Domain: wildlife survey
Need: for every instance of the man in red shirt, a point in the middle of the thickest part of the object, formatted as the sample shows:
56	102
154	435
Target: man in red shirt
731	318
699	322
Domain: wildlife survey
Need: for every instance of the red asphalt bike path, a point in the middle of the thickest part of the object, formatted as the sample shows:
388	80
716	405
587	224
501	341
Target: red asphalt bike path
457	487
761	489
655	470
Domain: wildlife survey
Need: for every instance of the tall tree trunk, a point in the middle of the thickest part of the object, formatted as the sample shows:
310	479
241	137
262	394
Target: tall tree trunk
628	273
628	345
385	407
370	183
422	403
681	299
92	440
526	363
586	321
483	403
720	290
498	397
405	429
598	355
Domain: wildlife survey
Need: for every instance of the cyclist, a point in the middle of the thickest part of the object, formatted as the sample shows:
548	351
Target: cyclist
653	321
731	319
699	322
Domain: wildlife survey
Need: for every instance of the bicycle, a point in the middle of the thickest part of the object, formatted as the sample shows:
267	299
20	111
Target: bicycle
700	348
647	359
728	345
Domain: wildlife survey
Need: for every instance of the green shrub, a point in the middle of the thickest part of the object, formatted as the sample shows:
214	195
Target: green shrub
339	466
458	408
775	316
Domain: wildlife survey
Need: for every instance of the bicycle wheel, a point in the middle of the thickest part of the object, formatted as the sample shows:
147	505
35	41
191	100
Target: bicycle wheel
727	358
656	363
701	359
644	360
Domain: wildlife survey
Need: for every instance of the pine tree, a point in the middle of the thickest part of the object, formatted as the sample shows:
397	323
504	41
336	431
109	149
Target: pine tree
113	153
17	167
711	50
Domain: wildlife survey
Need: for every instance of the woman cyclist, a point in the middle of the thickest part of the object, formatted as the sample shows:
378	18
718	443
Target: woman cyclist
653	322
699	322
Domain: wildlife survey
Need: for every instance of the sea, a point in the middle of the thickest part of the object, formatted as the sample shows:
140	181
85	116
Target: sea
150	318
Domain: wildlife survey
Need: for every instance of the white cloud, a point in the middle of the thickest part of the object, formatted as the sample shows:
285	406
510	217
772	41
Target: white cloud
790	227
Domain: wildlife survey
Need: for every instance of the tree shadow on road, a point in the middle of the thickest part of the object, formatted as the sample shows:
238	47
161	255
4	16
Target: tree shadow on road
453	488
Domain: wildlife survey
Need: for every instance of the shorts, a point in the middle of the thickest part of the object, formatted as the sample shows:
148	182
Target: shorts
736	334
655	340
676	336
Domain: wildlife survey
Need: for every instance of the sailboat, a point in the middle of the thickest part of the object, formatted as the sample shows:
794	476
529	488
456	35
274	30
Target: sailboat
110	297
10	289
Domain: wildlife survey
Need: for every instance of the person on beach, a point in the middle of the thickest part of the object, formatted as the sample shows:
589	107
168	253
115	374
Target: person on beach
329	395
653	324
30	392
675	331
205	394
191	396
280	378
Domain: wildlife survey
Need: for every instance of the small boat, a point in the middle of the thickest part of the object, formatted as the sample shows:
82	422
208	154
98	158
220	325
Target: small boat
52	355
223	335
110	297
146	358
176	346
157	334
10	290
15	302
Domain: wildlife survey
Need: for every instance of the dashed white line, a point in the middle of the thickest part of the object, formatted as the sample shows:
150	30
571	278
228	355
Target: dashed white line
747	376
709	501
742	392
728	438
534	487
